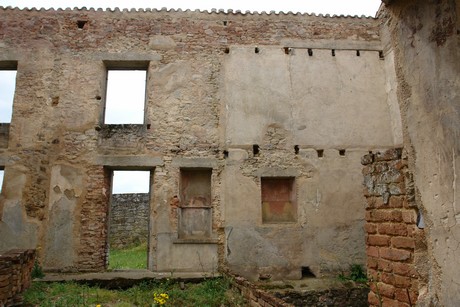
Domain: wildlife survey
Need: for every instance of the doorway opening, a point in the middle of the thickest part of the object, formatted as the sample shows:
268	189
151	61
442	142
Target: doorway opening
129	217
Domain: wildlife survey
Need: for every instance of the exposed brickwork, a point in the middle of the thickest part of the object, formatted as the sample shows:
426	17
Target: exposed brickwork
15	275
254	296
391	230
93	232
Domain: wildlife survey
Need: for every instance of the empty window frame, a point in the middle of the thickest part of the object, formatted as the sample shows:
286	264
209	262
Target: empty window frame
195	214
7	89
279	203
2	174
126	95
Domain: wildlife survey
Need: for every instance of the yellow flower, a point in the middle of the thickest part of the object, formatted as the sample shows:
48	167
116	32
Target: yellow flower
161	298
98	305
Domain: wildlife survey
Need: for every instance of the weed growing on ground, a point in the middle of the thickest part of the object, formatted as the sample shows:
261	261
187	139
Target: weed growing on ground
210	292
37	271
129	258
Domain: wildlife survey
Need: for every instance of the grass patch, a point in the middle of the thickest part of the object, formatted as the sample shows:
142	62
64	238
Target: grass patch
129	258
211	292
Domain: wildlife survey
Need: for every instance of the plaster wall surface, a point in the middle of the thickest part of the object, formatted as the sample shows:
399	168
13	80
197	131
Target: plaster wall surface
423	35
205	108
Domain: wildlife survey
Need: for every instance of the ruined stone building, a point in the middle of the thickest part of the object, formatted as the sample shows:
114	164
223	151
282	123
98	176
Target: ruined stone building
253	131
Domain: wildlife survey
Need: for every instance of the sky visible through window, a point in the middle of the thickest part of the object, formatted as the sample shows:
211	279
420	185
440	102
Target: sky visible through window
125	182
125	97
7	87
2	173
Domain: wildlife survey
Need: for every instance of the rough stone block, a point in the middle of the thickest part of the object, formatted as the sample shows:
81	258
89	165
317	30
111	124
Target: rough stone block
386	290
394	254
394	229
367	159
378	240
403	242
391	154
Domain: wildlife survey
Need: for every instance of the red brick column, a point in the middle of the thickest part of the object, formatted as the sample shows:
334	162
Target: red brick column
391	230
15	275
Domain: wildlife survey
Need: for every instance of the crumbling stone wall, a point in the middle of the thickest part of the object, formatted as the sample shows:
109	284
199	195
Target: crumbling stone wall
15	275
422	36
216	86
129	219
394	242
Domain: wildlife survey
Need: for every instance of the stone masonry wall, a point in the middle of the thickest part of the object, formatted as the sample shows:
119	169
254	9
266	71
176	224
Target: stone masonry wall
15	275
394	242
129	219
200	67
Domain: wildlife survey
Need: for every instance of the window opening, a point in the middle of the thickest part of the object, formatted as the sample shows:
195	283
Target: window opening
278	200
129	219
125	99
7	89
2	174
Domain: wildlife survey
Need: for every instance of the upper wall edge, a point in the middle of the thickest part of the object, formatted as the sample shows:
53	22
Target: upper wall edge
171	10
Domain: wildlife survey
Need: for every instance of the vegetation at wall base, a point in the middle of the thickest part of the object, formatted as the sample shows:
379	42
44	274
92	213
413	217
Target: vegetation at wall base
37	271
134	257
357	274
210	292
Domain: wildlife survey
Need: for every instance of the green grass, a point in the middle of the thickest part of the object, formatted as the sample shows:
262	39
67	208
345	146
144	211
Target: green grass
129	258
211	292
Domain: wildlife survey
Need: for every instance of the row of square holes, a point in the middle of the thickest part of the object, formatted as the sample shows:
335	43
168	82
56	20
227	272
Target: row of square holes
287	50
320	152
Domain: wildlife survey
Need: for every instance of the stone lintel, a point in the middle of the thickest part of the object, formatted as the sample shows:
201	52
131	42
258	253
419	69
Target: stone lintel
131	162
195	162
277	172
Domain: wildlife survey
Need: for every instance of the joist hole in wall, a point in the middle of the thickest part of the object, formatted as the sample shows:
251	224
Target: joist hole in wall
333	52
358	53
227	50
287	50
81	23
307	273
129	218
55	101
296	149
320	153
225	152
256	50
310	52
255	149
225	22
342	152
381	55
7	90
